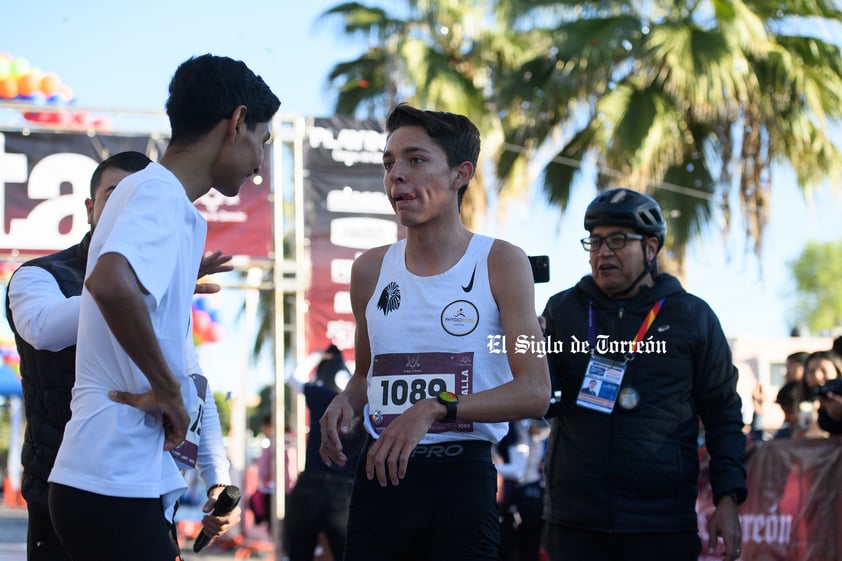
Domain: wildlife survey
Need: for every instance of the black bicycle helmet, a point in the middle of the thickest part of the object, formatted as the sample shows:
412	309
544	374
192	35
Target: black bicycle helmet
625	207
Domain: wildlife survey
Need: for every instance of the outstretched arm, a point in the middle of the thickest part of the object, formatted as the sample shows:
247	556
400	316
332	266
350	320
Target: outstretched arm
214	262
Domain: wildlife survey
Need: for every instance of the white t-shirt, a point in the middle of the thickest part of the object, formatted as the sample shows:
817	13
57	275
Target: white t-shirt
48	320
110	448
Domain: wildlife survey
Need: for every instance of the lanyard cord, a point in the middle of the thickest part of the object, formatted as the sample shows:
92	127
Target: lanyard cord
648	320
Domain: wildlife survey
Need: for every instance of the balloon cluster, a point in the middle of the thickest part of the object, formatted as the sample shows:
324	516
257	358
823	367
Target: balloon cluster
9	354
21	82
6	270
206	326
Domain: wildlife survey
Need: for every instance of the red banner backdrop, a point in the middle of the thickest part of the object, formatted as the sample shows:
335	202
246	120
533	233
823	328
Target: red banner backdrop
793	508
45	179
347	212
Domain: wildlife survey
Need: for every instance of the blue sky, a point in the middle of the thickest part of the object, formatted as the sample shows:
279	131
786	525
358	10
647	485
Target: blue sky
117	56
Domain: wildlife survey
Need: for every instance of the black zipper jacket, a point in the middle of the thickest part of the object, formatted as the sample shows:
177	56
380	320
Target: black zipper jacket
636	470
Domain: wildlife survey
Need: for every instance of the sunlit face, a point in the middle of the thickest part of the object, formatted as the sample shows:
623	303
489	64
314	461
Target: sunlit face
102	192
614	270
818	371
240	159
417	178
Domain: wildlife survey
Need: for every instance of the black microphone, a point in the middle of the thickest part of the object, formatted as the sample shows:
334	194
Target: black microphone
225	503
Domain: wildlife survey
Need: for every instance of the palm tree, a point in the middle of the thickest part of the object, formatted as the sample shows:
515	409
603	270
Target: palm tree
445	55
678	99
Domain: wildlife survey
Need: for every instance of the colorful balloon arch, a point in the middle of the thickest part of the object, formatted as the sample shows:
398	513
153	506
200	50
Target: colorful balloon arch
22	82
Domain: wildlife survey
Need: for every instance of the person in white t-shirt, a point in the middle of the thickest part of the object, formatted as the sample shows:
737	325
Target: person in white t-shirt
42	302
113	476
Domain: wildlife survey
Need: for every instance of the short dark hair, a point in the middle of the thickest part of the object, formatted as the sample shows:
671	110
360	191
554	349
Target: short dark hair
798	356
836	346
206	89
790	394
130	161
455	134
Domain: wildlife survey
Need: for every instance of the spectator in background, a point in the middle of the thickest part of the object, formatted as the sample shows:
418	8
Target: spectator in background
822	370
318	504
795	366
830	397
794	372
260	501
789	398
521	453
819	368
836	346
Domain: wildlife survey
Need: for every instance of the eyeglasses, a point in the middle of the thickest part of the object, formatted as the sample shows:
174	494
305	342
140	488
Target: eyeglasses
614	241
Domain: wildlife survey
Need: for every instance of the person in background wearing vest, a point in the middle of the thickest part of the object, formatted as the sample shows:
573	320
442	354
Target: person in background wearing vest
42	308
622	466
437	375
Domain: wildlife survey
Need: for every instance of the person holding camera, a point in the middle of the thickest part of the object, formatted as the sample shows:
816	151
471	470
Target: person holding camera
622	466
823	380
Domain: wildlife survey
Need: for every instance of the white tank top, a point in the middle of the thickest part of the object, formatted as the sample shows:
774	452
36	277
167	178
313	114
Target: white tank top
431	334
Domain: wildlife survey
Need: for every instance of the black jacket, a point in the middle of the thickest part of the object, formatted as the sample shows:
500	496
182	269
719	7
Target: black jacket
47	379
636	470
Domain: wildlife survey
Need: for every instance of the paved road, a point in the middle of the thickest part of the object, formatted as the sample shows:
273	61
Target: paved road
12	534
13	540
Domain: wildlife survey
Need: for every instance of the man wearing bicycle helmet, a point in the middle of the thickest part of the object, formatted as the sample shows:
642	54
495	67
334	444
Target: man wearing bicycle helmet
622	465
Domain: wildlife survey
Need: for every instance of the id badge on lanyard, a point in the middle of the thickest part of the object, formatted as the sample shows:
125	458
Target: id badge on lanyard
604	377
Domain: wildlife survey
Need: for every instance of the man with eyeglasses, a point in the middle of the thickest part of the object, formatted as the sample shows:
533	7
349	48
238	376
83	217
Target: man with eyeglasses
622	466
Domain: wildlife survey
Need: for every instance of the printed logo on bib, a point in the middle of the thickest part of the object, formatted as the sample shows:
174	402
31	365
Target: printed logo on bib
399	380
459	318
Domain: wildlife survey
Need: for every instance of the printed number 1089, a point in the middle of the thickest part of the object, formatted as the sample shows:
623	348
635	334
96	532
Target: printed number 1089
397	391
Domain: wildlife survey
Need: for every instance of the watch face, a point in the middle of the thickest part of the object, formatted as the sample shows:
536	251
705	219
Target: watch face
449	397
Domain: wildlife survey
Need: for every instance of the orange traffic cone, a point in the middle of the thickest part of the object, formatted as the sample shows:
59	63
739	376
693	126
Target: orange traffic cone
11	495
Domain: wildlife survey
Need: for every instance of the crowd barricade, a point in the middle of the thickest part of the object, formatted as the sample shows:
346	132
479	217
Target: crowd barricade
792	512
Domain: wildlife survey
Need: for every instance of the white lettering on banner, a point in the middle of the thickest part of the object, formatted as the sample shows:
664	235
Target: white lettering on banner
12	170
359	232
342	302
361	202
340	271
773	528
41	228
350	146
341	332
210	207
225	216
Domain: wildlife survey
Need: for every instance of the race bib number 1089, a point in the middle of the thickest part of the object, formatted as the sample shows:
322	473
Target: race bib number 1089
400	380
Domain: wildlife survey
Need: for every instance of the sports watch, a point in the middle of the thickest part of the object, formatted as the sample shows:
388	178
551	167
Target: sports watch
449	400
